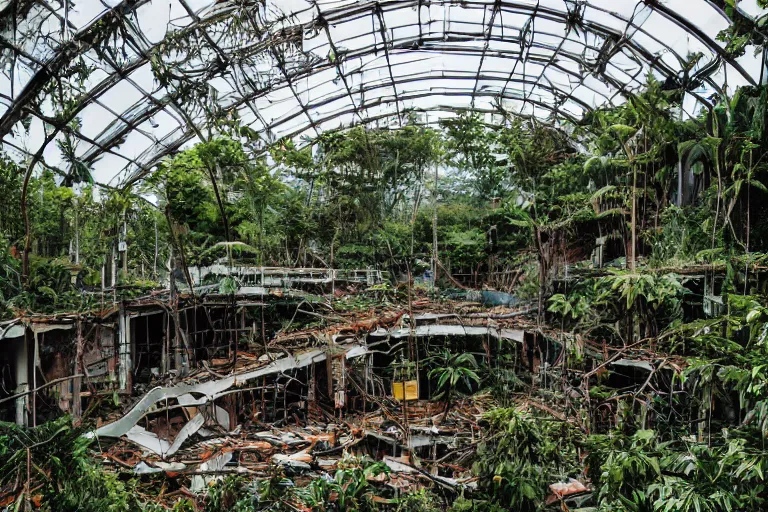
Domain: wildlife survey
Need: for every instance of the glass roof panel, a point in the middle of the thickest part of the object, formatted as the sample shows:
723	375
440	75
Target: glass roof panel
751	8
147	70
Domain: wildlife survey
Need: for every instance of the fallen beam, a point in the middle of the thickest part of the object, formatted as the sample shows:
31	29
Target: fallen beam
192	395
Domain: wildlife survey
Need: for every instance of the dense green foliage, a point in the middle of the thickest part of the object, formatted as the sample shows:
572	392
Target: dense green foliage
672	210
520	456
369	197
60	474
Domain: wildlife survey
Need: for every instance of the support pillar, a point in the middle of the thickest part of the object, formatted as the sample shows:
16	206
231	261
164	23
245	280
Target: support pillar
124	351
77	381
22	382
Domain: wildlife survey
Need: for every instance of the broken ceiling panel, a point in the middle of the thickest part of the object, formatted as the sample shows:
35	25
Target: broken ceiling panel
191	395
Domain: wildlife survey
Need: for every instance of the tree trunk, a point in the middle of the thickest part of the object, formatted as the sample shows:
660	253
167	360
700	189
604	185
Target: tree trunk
633	257
220	203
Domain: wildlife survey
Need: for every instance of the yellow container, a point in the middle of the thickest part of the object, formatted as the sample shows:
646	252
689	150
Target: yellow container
408	390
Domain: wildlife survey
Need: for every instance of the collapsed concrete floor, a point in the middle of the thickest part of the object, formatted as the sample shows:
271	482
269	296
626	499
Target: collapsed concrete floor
180	393
197	390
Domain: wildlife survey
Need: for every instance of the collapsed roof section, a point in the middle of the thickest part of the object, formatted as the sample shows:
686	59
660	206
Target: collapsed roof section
120	84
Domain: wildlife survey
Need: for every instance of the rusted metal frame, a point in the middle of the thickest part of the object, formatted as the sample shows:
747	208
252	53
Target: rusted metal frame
638	28
281	67
400	45
188	136
406	43
417	95
701	35
652	59
337	58
199	26
383	30
124	72
71	49
160	105
421	27
653	62
149	112
147	165
525	59
63	126
381	85
92	97
226	62
487	43
11	6
612	47
458	50
715	47
442	108
673	15
34	34
623	88
4	43
41	161
132	125
202	23
192	28
246	98
89	155
555	54
96	98
506	54
349	14
261	47
267	126
215	47
470	51
128	126
248	101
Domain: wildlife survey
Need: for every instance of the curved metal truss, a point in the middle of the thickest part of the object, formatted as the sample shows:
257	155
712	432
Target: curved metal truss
121	84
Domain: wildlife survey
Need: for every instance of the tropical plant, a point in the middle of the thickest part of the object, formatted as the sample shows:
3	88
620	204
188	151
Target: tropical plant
521	455
451	370
50	463
422	500
348	490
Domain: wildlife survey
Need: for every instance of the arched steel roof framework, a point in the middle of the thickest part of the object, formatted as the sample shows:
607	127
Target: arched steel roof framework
131	81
